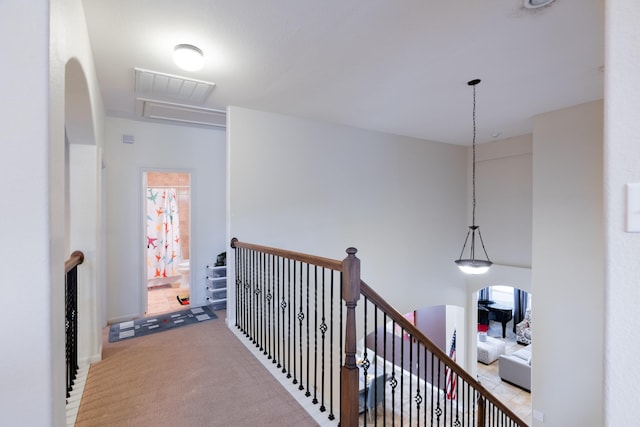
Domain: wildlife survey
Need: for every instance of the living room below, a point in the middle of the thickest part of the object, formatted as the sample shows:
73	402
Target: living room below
504	346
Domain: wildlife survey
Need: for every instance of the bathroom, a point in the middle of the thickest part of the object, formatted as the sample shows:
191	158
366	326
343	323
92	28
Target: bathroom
167	217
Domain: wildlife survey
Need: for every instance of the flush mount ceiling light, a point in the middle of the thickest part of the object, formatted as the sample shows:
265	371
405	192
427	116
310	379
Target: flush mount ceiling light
532	4
188	57
471	265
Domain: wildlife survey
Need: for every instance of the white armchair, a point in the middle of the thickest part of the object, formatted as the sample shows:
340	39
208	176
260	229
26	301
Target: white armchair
523	329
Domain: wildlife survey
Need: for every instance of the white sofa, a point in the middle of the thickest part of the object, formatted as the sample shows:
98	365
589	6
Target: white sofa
516	368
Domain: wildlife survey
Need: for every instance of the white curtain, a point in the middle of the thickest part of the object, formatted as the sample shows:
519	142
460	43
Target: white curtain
163	233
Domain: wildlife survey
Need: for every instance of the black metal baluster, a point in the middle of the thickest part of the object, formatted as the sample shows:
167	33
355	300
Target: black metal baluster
276	298
263	303
410	376
288	318
433	387
457	421
438	409
272	315
393	381
293	343
267	297
402	376
418	395
243	284
71	327
331	414
247	291
384	366
241	305
301	320
308	392
426	383
341	329
260	305
283	306
323	329
375	362
365	358
254	297
254	302
315	335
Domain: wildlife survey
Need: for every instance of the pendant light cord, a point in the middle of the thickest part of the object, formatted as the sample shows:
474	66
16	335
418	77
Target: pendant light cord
473	165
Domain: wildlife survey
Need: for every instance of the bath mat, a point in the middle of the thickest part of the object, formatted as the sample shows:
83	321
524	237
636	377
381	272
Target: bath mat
149	325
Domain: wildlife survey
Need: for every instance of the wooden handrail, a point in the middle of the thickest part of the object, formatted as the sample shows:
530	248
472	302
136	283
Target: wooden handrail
296	256
404	323
76	258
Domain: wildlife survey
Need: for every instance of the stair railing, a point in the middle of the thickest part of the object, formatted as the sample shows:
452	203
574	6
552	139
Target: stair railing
305	315
71	316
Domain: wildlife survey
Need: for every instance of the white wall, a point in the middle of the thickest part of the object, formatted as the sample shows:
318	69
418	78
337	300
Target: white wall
622	166
568	266
504	186
159	147
320	188
32	366
26	359
84	189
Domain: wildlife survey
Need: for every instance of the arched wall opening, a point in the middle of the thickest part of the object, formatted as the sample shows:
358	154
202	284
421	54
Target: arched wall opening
82	206
498	275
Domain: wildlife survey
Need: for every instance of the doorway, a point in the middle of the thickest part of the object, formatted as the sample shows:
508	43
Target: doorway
167	225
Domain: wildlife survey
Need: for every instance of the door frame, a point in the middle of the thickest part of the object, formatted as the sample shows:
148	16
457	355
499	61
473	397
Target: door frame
144	300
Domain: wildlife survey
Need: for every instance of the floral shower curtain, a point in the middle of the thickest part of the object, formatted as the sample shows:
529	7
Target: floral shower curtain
163	233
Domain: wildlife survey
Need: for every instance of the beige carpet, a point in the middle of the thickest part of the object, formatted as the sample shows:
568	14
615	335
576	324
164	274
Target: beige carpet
198	375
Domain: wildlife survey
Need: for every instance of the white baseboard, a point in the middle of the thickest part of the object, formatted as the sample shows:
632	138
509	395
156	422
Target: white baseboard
73	402
123	318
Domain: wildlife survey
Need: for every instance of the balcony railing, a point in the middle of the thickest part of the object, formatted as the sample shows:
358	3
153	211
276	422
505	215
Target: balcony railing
71	316
347	349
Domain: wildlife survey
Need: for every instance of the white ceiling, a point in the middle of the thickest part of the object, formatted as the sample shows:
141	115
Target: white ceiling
395	66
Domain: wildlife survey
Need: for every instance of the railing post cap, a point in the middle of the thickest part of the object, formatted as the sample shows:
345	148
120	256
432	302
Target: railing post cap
352	251
233	242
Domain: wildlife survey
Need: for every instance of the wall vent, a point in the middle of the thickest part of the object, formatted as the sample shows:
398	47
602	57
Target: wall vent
186	114
152	84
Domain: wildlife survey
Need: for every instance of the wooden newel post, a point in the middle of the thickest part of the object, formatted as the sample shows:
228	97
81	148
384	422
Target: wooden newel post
349	373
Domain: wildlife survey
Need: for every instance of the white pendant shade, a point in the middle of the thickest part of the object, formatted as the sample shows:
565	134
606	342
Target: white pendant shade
188	57
469	266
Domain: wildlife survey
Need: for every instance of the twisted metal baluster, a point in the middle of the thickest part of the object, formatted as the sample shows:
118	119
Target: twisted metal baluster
323	329
331	414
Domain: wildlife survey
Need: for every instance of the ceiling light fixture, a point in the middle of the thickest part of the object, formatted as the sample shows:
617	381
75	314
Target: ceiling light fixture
472	265
532	4
188	57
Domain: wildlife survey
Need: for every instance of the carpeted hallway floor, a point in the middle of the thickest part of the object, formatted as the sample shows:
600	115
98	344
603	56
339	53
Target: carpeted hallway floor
198	375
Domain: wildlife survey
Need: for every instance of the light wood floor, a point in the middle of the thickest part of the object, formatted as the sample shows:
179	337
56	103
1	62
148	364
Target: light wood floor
162	299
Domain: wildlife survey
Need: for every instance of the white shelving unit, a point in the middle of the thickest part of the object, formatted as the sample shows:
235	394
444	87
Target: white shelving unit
216	279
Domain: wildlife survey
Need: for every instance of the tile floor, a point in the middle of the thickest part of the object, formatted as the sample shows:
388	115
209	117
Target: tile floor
162	299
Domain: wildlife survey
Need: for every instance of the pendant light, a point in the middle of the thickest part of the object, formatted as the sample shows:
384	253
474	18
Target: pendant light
472	265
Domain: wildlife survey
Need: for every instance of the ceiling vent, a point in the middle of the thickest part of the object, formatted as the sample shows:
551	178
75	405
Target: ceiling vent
152	84
185	114
532	4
